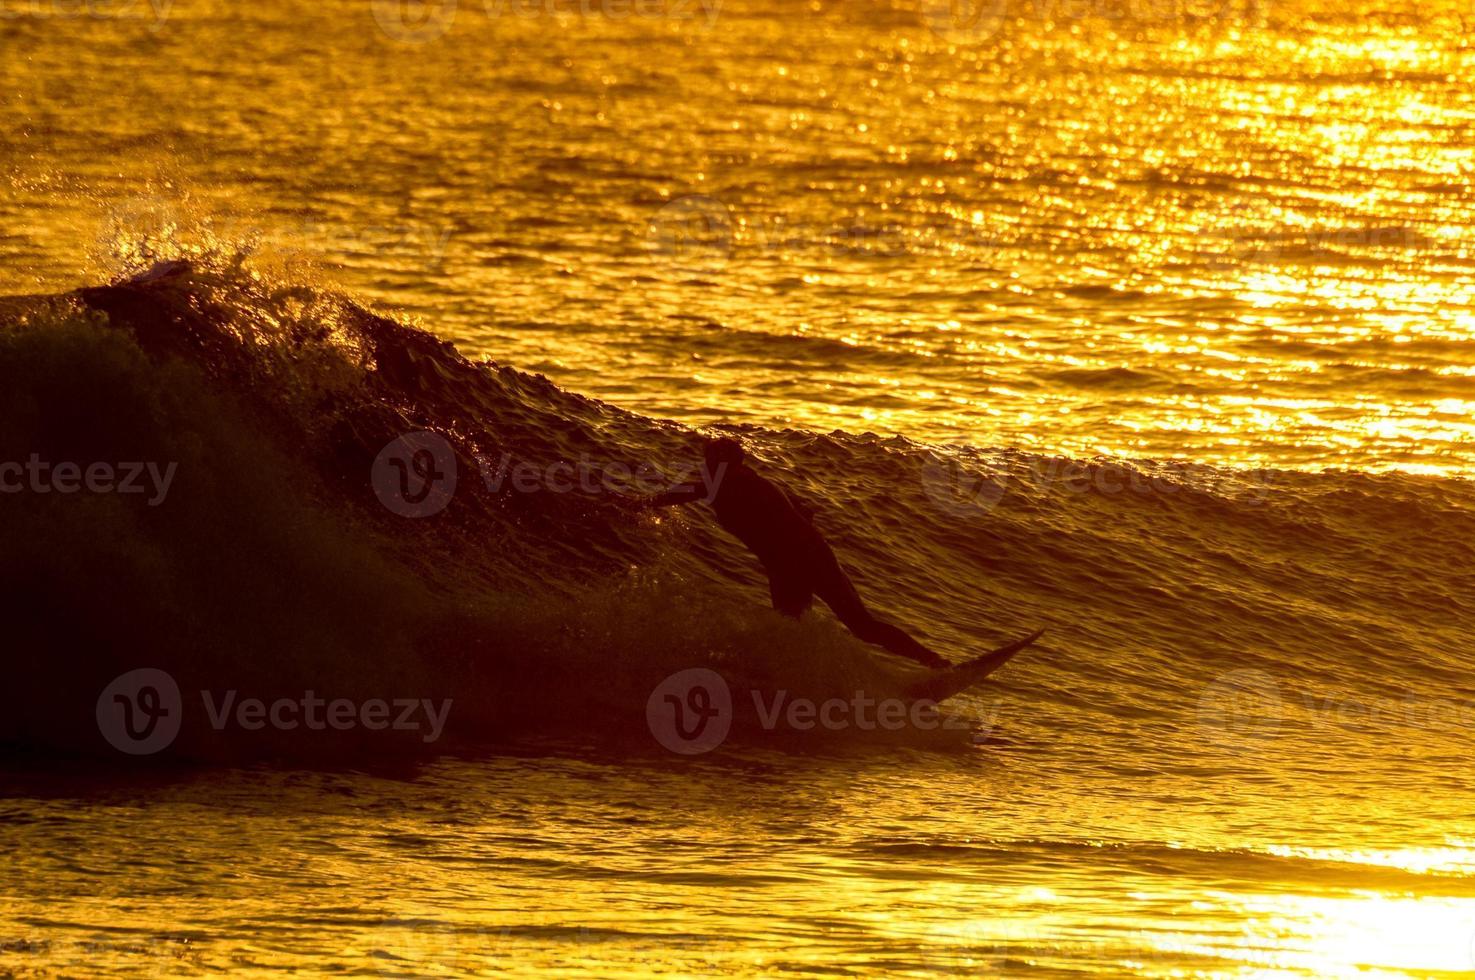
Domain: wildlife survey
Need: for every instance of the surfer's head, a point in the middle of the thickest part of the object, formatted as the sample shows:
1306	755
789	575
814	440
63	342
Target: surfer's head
722	452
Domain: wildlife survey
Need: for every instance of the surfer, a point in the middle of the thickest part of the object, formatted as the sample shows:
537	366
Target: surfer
779	529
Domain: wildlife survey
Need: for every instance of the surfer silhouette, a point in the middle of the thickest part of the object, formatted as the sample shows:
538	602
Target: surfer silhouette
779	529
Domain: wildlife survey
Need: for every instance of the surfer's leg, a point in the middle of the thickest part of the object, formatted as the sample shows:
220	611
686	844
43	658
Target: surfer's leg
790	593
838	592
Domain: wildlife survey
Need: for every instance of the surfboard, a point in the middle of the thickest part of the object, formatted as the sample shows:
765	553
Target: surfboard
943	684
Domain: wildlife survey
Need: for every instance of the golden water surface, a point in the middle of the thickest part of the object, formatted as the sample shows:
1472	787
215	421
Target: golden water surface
1172	229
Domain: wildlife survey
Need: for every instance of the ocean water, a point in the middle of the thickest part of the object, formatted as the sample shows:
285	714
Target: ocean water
1236	231
1148	323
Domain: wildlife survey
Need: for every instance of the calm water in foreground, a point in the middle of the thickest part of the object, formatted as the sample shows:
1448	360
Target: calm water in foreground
892	862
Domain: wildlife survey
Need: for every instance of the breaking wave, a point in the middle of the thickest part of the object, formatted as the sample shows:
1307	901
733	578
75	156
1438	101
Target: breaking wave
283	555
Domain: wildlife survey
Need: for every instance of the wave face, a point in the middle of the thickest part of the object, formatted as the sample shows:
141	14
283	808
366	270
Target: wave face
1217	608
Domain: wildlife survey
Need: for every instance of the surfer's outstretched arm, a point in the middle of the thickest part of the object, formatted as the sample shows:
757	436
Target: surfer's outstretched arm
684	493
